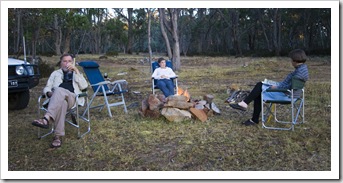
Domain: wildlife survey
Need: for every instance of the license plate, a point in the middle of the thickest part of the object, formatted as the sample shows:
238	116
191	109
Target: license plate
12	83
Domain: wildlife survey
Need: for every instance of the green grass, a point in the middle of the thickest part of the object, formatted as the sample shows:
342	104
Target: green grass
129	142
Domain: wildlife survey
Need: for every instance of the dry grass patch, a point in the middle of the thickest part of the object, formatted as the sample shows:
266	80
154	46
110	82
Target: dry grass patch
130	142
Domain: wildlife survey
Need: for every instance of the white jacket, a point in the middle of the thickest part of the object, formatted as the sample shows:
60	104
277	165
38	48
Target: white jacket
166	71
56	78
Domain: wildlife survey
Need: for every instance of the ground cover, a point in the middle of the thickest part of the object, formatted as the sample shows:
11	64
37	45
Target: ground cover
129	142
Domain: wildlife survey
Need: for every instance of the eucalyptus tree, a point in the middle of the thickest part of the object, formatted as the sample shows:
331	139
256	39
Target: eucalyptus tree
231	17
149	35
21	25
164	33
115	30
128	19
171	24
186	22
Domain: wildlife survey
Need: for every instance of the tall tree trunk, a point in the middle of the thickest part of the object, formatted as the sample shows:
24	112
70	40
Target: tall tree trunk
164	33
129	38
69	30
34	43
276	32
201	34
264	30
58	36
235	33
175	35
18	30
149	37
67	41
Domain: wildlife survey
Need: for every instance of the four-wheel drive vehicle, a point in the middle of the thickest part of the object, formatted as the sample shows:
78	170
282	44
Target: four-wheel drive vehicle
22	76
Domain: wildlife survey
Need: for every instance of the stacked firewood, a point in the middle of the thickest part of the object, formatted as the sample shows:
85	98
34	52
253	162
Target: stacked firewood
178	108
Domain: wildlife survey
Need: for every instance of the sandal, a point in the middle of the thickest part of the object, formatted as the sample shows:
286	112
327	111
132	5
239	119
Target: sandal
56	142
43	123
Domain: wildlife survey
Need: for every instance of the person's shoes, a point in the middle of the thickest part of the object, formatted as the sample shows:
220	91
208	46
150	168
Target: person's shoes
249	122
236	106
56	142
42	123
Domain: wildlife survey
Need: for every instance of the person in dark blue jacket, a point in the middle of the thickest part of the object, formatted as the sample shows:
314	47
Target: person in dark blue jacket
299	58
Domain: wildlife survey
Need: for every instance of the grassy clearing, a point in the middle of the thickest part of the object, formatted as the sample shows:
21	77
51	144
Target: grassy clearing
130	142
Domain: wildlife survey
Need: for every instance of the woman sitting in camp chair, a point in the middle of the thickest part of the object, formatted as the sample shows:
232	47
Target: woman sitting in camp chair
163	75
298	59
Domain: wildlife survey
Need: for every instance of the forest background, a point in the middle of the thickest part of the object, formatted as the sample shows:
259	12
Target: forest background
254	32
237	32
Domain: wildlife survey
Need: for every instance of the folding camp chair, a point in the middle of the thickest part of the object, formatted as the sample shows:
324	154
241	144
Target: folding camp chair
103	88
154	66
269	108
73	116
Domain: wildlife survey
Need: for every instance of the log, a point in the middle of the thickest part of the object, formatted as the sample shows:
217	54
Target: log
209	98
199	114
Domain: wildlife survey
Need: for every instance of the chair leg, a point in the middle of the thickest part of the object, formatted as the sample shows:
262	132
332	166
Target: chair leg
41	108
297	111
123	100
74	111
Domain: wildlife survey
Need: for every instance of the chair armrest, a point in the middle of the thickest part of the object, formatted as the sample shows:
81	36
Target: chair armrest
118	81
101	83
276	90
83	94
40	98
169	78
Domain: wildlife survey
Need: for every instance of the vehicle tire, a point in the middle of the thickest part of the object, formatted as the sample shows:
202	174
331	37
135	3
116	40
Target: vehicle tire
19	100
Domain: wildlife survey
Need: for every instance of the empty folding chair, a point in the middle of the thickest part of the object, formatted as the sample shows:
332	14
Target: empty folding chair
110	91
73	116
155	65
295	103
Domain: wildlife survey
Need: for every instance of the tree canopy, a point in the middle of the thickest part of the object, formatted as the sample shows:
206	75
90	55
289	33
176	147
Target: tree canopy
185	31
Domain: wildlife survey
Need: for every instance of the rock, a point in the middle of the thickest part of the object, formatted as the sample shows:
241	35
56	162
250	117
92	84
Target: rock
215	108
209	98
177	98
202	102
153	113
161	97
199	114
199	106
178	104
154	102
145	106
176	115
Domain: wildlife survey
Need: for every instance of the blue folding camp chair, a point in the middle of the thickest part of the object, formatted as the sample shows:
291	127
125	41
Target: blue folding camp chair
296	103
103	88
155	65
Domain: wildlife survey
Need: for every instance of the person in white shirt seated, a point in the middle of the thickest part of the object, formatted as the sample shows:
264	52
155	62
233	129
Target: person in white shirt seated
163	75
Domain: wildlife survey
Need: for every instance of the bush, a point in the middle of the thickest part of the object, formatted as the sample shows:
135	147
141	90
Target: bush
47	54
45	69
112	53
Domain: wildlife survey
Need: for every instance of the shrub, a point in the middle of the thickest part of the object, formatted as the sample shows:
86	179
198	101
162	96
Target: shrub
112	53
45	69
